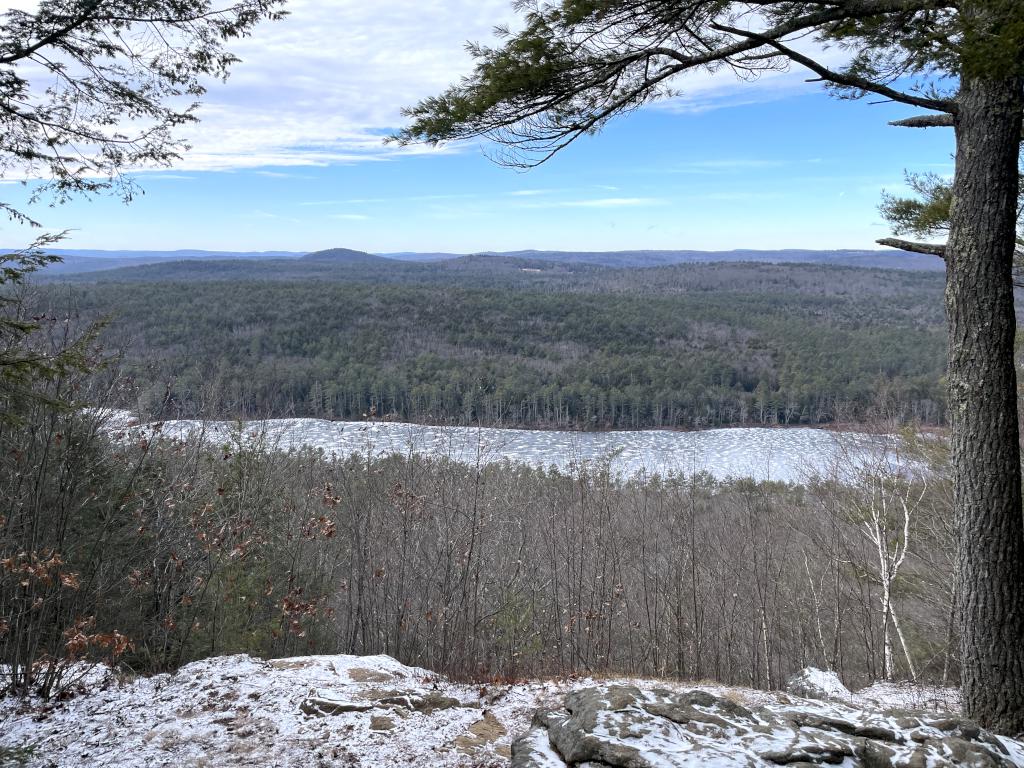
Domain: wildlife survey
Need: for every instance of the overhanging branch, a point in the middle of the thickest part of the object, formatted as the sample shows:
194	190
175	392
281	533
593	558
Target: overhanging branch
925	121
932	249
931	121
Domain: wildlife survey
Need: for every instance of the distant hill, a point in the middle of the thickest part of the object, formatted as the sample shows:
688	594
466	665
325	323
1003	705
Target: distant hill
189	264
78	260
887	259
176	255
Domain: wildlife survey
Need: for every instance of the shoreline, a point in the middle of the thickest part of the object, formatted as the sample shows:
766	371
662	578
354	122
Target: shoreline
865	428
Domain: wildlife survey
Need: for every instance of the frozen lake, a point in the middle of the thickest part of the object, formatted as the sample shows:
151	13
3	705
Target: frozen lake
789	454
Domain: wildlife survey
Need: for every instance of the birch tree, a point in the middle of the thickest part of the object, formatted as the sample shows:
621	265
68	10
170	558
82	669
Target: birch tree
884	503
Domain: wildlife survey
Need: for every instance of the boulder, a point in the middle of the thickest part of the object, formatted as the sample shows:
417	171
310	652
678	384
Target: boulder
814	683
616	726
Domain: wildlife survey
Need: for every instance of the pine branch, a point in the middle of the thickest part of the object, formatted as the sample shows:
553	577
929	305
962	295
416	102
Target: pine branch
844	79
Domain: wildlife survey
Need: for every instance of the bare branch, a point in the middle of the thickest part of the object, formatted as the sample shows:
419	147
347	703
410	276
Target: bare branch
925	121
932	249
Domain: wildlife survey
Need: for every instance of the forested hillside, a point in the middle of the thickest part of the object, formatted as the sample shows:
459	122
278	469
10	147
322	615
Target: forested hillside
497	340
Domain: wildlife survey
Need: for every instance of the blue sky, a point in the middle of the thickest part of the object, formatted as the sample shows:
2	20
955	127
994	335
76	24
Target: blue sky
289	157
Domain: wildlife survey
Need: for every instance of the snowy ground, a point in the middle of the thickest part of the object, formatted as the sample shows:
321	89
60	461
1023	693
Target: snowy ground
316	711
789	455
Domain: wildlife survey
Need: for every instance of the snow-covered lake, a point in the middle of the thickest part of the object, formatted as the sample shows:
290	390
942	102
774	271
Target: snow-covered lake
789	454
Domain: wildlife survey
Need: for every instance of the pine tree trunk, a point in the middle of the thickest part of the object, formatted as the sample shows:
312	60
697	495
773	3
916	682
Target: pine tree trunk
982	400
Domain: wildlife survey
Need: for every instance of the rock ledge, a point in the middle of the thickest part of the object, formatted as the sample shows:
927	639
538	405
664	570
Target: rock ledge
616	726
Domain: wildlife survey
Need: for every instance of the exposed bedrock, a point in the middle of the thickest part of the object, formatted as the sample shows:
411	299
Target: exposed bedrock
615	726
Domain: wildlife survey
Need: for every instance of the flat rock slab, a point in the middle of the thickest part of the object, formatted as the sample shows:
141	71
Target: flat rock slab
414	701
484	731
622	726
381	723
361	675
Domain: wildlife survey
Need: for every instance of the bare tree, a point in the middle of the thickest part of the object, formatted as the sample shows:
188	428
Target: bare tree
577	64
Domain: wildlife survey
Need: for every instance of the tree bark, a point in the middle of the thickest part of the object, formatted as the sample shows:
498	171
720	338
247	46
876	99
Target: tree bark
982	401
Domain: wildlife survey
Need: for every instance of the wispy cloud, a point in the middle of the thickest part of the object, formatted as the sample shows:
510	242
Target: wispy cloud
740	196
282	175
392	200
612	202
349	216
269	216
165	176
723	166
348	201
582	190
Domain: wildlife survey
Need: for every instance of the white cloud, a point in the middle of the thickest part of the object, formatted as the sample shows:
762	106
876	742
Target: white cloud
325	85
349	216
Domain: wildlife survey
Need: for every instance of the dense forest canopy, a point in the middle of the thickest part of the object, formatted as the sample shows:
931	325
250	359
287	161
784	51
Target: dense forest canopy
518	343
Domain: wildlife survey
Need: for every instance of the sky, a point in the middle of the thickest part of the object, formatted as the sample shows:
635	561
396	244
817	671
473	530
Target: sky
289	155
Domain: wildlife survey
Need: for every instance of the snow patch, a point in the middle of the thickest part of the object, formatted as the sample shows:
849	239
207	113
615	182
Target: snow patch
788	455
242	711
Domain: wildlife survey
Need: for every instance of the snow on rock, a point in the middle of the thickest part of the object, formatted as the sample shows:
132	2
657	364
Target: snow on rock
813	683
237	710
374	712
906	695
619	726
